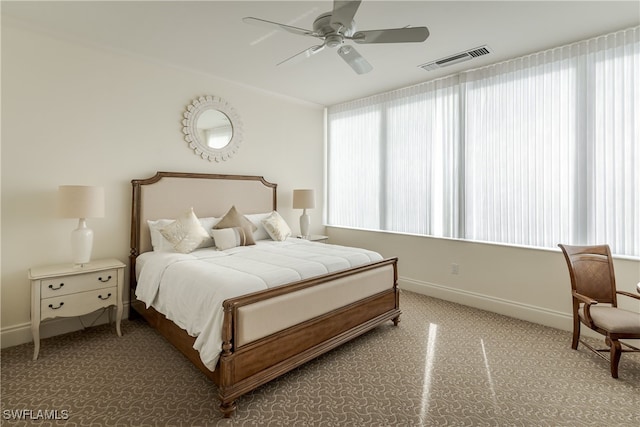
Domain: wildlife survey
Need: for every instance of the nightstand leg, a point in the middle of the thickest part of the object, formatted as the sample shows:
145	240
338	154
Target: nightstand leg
35	330
35	317
119	318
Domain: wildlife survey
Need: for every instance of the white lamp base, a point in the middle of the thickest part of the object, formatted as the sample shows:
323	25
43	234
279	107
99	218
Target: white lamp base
305	221
81	243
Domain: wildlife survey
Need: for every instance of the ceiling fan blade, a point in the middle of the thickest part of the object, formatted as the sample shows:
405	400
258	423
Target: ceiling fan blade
343	13
394	35
299	57
354	59
278	26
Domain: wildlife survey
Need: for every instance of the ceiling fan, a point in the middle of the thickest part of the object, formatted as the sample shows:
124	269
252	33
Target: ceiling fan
338	26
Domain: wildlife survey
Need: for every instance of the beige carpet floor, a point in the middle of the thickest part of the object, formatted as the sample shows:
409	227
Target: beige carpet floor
444	365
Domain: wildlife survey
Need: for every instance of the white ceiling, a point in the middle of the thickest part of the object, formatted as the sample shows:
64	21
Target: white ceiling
210	37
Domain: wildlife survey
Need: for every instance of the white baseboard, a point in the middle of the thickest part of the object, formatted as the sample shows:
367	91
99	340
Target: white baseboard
530	313
21	334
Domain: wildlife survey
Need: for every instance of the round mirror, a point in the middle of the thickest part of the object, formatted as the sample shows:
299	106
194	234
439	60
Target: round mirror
212	128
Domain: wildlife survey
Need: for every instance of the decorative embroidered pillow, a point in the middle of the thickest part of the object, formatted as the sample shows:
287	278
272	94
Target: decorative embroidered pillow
185	233
276	226
233	218
227	238
158	241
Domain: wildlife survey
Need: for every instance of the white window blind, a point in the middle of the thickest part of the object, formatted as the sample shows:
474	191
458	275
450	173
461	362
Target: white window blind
356	189
393	161
534	151
520	135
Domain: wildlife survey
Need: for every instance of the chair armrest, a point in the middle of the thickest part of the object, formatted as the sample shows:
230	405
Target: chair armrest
588	302
583	298
628	294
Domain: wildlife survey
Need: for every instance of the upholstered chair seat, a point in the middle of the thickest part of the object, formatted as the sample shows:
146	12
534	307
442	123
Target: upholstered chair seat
613	319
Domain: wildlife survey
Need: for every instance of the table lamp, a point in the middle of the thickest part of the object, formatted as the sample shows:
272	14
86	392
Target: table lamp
82	202
304	199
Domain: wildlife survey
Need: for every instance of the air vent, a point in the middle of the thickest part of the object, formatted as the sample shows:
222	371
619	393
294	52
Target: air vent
457	58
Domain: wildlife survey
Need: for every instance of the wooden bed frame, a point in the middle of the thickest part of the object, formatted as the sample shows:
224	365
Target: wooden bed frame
242	368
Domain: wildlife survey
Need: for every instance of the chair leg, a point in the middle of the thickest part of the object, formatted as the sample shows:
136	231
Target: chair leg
576	332
616	352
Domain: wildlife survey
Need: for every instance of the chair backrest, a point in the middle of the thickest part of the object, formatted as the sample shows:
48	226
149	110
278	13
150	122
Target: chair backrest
591	271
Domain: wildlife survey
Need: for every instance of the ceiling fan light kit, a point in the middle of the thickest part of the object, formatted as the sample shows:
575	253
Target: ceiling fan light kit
338	26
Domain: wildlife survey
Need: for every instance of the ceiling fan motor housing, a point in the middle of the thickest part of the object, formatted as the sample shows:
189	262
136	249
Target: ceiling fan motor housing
322	26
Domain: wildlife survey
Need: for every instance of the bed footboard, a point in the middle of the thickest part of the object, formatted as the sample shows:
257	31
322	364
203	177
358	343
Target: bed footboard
244	366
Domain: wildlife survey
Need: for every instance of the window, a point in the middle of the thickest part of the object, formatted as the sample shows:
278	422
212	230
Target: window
535	151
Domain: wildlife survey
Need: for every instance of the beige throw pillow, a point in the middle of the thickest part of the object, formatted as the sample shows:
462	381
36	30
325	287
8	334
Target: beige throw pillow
233	218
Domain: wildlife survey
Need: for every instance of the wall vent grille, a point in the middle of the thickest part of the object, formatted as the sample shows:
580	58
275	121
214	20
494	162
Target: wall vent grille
456	58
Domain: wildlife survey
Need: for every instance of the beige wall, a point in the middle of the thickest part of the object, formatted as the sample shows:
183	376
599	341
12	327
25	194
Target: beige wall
530	284
73	114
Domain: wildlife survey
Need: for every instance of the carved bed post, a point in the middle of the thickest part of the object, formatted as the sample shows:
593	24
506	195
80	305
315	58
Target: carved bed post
134	245
227	406
396	319
227	329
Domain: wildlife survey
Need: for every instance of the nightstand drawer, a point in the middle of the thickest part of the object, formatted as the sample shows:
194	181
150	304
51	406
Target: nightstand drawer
79	303
65	285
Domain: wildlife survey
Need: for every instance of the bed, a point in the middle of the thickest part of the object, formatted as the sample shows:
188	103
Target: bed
266	332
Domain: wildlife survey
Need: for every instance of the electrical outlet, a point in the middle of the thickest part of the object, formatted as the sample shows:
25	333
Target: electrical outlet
455	268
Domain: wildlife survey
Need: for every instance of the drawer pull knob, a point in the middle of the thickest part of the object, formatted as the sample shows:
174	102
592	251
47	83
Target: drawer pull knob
55	308
104	280
55	289
105	298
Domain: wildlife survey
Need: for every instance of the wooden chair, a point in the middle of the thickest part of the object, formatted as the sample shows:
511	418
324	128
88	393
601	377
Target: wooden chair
594	296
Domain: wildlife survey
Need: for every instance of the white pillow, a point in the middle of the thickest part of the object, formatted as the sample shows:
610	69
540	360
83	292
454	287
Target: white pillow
158	241
276	226
208	224
256	219
185	233
227	238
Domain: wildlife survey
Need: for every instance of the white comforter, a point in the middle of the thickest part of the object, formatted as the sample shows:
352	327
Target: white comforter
189	289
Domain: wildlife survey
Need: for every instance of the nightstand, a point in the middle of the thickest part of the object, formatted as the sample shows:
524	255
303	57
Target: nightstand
315	238
67	290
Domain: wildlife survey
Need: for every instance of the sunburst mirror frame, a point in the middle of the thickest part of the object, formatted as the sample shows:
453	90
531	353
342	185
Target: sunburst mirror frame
193	112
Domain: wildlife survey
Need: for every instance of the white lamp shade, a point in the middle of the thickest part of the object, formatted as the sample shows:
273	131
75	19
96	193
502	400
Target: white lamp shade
80	201
304	199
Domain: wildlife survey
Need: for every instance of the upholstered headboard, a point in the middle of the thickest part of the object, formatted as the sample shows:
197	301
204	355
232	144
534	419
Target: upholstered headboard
168	194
